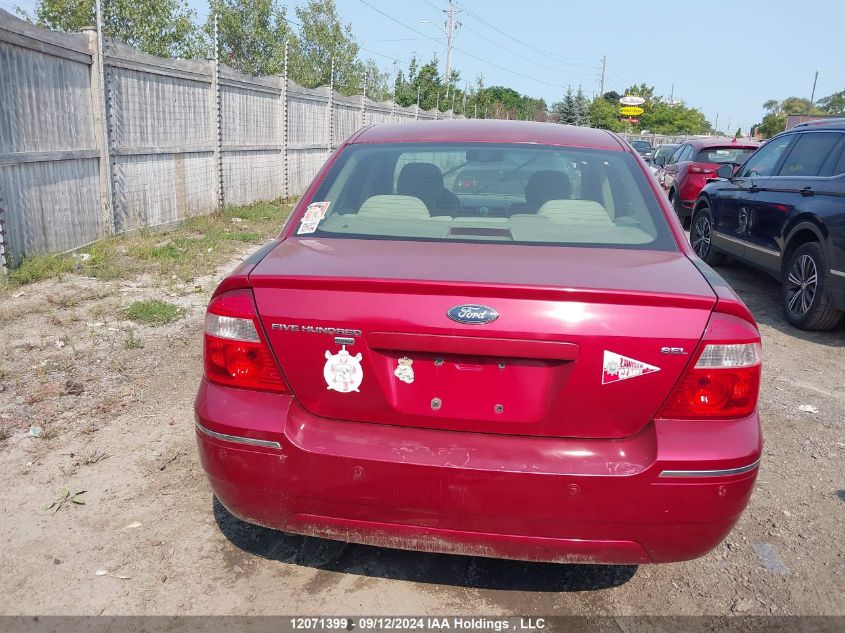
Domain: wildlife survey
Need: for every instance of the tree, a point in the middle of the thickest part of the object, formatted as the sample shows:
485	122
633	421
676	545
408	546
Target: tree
581	108
833	104
566	109
604	114
738	132
773	123
251	35
159	27
323	38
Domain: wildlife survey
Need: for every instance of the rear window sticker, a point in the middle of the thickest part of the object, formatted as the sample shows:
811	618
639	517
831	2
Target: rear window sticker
342	371
404	371
617	367
315	212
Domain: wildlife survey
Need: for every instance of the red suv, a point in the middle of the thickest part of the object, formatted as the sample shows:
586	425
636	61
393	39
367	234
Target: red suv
687	170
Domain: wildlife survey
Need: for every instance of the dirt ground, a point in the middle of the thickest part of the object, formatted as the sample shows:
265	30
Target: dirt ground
115	418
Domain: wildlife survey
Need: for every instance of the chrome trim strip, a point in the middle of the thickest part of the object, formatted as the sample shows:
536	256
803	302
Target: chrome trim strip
710	473
736	240
236	438
768	251
837	272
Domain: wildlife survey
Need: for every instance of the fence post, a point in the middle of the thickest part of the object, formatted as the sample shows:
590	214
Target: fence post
285	124
217	120
3	265
330	106
99	106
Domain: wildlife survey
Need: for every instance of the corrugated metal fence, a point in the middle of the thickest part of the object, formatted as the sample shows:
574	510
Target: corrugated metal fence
168	139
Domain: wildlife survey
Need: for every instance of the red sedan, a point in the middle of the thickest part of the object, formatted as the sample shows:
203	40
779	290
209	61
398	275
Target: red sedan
544	372
687	170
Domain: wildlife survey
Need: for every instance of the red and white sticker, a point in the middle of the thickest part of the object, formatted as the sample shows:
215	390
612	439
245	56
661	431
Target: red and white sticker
617	367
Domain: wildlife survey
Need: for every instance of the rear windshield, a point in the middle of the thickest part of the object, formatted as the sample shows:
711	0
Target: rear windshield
524	194
665	150
723	155
640	144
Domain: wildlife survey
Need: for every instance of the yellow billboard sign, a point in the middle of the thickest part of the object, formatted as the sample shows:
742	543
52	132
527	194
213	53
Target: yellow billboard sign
630	110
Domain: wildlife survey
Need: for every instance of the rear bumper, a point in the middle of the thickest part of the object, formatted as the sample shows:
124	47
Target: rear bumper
672	492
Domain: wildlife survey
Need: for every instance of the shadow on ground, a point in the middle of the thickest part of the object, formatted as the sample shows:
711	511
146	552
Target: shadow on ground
441	569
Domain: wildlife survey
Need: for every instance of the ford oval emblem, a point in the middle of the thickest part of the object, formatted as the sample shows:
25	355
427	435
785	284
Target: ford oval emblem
472	314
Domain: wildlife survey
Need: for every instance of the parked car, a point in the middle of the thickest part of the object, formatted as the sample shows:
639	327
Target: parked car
688	169
644	149
660	157
783	211
565	382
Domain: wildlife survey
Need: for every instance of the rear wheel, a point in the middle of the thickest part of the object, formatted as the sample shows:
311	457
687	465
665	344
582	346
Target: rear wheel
701	237
807	303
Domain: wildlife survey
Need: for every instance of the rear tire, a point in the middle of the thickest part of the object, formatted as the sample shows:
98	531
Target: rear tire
701	237
807	302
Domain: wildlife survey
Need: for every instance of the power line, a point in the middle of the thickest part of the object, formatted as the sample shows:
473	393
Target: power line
512	52
476	57
555	56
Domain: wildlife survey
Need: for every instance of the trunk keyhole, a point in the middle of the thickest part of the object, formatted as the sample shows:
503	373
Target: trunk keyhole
499	408
436	403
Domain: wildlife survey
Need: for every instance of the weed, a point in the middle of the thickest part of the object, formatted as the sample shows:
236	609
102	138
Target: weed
67	301
153	312
93	456
132	341
66	498
89	429
5	431
48	433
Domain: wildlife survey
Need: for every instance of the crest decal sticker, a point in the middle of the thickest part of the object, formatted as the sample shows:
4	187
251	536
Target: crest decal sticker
617	367
342	371
404	371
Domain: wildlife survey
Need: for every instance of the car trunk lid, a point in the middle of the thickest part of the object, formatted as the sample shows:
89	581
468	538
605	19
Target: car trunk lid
587	342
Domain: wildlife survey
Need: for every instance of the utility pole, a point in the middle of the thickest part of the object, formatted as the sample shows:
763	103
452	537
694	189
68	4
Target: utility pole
813	95
728	127
451	27
603	67
672	95
716	124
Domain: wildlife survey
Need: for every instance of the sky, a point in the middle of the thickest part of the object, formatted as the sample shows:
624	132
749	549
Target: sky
725	57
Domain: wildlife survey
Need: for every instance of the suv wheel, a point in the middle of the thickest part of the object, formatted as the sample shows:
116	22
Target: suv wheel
806	290
701	237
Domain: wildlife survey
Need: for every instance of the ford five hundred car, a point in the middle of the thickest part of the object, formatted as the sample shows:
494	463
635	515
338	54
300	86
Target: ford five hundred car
543	371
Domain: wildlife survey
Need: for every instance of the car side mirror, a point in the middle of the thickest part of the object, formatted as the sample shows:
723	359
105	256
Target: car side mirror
725	171
659	161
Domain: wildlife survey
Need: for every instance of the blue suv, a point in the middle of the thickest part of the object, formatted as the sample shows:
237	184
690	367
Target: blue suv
783	211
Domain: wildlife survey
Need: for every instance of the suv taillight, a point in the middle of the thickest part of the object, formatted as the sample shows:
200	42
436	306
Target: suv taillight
236	355
723	381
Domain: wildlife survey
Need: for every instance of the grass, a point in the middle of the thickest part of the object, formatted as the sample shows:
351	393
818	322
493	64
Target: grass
133	341
192	249
41	267
152	312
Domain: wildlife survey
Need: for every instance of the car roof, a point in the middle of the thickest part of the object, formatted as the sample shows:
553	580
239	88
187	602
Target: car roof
489	131
704	143
834	123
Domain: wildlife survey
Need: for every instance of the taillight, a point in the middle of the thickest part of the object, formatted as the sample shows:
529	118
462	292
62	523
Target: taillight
235	353
724	379
701	168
